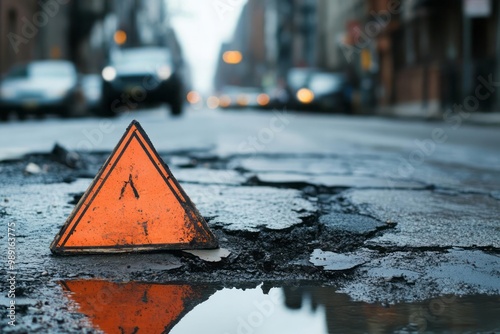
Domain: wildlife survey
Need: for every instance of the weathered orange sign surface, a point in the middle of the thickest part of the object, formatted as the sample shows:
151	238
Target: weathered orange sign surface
133	204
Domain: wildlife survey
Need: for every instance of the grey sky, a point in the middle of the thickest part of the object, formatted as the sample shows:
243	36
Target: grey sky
202	26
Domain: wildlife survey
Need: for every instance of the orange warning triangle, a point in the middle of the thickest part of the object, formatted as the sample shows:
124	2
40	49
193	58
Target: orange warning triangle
134	307
133	204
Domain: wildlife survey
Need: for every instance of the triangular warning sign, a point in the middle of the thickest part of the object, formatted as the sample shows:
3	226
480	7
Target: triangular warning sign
133	204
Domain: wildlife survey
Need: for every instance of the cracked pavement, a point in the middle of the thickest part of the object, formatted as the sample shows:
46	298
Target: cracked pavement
333	200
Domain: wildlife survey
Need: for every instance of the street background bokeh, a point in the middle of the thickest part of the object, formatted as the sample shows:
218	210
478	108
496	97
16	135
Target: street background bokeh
408	57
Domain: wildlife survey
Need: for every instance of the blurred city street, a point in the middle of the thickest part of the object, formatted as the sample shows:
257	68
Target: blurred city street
255	132
330	166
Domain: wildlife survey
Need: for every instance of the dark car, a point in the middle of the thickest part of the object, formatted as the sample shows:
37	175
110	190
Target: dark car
330	91
39	88
141	75
311	89
296	79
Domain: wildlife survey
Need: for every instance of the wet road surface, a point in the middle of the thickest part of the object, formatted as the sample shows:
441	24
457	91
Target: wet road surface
382	224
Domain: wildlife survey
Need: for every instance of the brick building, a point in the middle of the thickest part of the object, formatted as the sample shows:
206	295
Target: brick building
16	46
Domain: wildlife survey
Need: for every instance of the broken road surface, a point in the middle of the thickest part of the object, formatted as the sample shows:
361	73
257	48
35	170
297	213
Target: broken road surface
332	203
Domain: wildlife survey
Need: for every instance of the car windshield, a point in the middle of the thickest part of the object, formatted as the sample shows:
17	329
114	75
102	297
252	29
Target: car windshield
325	82
142	57
297	78
51	70
91	81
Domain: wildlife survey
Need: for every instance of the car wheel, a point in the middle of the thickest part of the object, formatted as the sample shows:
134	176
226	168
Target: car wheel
4	115
107	114
21	115
176	108
104	109
66	113
175	97
176	105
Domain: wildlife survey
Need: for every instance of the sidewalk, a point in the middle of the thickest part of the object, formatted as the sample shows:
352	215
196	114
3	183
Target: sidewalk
435	114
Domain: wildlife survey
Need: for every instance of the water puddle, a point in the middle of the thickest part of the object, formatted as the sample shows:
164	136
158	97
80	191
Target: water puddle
136	307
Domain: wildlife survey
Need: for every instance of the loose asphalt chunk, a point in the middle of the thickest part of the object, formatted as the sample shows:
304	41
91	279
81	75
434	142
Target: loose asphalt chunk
336	261
210	255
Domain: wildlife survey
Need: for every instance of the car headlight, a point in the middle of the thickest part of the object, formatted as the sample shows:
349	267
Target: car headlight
263	99
7	93
225	101
305	95
213	102
109	73
242	100
193	97
163	72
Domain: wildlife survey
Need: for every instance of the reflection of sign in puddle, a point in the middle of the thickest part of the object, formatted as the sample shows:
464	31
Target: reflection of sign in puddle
162	308
134	307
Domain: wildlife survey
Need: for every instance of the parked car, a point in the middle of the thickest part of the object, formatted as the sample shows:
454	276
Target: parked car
92	89
142	75
312	89
330	91
41	87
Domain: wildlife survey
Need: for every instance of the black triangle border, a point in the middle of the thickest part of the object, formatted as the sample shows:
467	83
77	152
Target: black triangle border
189	207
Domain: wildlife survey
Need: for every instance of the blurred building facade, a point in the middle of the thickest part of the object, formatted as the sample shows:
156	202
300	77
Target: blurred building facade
343	48
249	40
49	29
432	53
423	55
80	31
14	46
86	33
144	21
273	36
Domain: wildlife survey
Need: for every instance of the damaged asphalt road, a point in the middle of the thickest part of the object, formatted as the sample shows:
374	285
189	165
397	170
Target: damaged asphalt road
365	238
344	220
